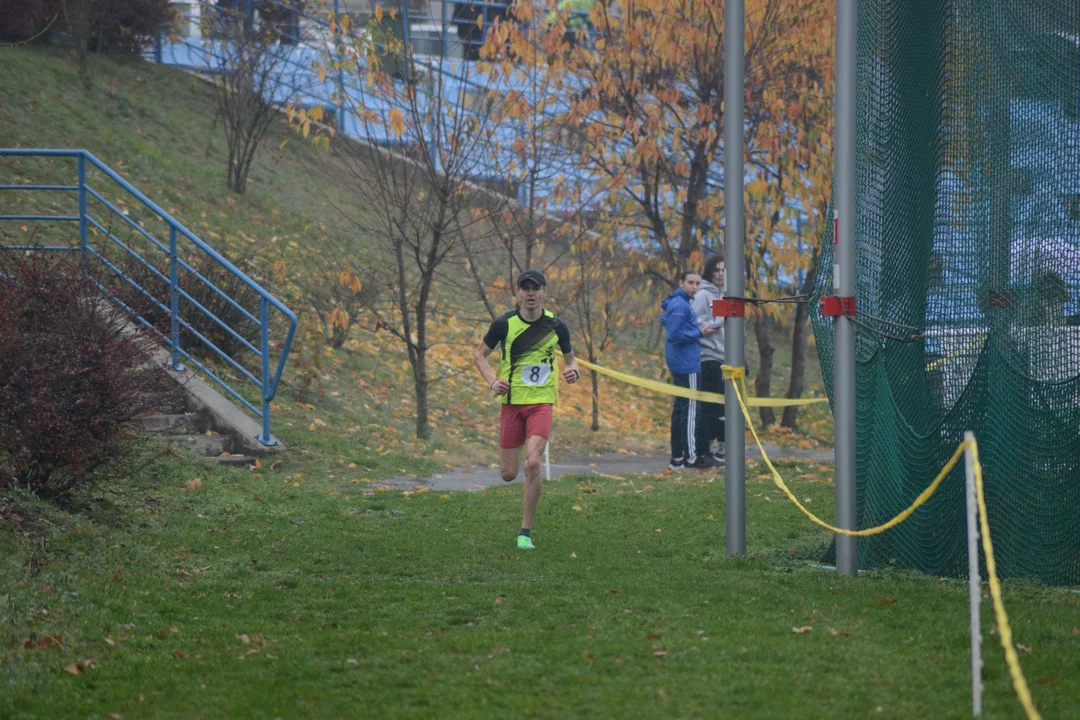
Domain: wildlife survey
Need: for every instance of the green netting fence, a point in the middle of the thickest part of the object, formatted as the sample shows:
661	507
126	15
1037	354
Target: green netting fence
968	271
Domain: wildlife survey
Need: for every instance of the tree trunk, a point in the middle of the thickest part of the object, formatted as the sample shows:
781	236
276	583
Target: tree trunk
763	382
595	399
800	341
420	380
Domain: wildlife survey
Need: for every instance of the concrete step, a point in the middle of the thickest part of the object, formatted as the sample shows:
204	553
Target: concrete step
207	445
234	460
170	424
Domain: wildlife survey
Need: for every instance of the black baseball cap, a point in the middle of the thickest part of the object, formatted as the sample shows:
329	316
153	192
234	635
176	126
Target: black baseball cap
534	276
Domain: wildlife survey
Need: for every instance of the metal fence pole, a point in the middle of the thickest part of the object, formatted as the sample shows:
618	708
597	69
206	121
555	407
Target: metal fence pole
847	551
174	302
734	234
974	589
264	331
83	229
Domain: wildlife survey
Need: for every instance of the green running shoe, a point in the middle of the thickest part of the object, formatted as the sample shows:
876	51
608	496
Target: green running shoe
525	543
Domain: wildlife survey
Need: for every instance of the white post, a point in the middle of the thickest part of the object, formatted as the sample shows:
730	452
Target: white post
974	589
547	461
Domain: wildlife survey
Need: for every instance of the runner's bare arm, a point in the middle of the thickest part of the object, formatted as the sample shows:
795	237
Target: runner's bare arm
571	372
480	357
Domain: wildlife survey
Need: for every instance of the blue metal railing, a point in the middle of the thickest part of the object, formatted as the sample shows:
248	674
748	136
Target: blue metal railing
264	378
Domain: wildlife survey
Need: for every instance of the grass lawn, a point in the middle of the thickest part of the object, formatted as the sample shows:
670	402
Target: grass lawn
272	593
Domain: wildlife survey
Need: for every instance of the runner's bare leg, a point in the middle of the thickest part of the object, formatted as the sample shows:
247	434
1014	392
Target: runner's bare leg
534	448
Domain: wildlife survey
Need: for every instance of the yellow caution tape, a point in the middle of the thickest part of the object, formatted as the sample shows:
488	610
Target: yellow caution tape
669	389
1004	630
955	354
738	376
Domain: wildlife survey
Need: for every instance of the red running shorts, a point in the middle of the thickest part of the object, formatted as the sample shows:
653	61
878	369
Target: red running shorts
520	422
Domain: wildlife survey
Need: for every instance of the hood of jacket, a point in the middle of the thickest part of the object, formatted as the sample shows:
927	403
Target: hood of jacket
676	293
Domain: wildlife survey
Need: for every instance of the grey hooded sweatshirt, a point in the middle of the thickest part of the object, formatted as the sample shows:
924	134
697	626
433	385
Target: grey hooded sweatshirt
712	346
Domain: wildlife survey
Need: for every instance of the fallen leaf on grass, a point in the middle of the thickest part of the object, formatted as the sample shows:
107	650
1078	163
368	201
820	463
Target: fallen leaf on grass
178	654
193	484
48	641
659	653
1023	648
573	554
802	630
577	508
74	668
1047	679
886	601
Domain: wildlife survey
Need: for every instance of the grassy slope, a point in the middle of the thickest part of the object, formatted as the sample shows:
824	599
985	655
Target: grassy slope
155	126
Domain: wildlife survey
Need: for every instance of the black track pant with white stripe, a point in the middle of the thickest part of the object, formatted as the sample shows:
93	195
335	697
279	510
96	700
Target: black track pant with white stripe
687	434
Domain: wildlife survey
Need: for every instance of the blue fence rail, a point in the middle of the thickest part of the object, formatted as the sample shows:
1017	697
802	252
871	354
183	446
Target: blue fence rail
99	224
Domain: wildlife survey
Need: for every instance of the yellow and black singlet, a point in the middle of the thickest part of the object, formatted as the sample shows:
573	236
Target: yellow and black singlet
528	355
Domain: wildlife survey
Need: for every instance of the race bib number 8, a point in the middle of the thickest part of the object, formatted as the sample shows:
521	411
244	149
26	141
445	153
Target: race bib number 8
535	374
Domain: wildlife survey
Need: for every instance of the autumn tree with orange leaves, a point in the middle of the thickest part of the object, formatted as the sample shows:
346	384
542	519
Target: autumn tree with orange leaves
643	120
427	138
602	299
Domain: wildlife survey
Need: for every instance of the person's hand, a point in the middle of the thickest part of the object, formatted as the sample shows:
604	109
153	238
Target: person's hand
571	375
708	330
500	387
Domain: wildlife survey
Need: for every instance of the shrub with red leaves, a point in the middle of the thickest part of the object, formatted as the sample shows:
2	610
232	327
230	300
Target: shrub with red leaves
73	377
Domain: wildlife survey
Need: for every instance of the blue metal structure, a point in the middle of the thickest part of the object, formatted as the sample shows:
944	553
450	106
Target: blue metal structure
295	64
94	226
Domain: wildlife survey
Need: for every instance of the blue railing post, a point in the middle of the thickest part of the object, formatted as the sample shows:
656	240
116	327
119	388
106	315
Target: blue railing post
268	383
264	331
83	233
174	302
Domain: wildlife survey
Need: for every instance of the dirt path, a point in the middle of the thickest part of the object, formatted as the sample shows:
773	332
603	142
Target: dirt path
484	476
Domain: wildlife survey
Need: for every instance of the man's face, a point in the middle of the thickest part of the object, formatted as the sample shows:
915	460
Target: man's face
691	284
530	295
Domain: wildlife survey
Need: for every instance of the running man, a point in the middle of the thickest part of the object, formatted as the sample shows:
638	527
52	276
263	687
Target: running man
525	385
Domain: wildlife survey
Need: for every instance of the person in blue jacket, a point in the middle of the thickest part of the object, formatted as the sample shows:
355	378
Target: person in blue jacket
683	354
